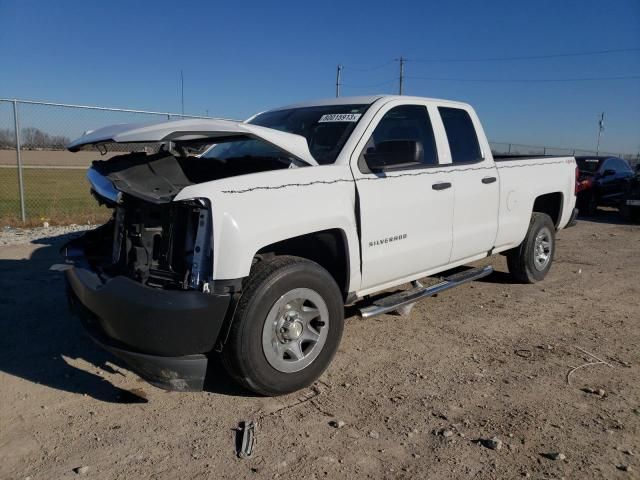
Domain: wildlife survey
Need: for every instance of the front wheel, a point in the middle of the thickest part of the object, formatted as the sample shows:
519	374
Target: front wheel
629	213
531	260
286	328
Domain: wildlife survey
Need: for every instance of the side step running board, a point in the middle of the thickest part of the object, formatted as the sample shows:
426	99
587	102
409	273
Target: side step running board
400	299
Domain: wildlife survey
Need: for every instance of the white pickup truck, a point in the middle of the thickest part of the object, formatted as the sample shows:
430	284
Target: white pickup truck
252	250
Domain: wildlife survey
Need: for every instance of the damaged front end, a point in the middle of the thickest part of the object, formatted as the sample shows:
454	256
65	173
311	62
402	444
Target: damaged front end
140	282
160	246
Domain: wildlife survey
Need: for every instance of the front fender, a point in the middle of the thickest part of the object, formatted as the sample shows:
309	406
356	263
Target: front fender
253	211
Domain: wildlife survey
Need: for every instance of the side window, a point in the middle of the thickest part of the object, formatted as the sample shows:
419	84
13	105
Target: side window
610	164
463	141
622	166
403	139
616	165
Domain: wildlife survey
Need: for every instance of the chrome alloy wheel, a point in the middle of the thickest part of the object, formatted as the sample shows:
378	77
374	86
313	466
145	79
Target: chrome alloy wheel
542	249
295	330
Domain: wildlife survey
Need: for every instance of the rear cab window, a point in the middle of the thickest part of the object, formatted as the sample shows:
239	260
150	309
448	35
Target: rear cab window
461	134
588	165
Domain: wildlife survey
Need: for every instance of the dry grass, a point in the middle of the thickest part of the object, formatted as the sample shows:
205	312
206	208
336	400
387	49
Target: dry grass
57	158
60	197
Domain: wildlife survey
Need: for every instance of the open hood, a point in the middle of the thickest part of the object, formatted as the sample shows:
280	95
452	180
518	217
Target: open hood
194	129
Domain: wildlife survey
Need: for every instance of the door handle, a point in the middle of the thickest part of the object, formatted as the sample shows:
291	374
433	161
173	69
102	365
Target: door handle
441	185
489	179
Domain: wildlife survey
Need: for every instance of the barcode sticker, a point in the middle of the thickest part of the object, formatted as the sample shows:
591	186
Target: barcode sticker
340	117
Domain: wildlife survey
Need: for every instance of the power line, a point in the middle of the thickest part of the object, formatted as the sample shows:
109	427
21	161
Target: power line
403	60
600	129
368	69
525	57
495	59
388	82
525	80
494	80
182	91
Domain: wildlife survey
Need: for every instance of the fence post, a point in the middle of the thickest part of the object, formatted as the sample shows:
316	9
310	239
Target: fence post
16	124
509	150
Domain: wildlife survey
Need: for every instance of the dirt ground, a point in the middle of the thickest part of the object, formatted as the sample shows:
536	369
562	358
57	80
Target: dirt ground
416	394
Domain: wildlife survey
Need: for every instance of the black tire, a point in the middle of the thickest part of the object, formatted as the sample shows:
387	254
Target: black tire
629	213
591	205
522	259
625	212
243	355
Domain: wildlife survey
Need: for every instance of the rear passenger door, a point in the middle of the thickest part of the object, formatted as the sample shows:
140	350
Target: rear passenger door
475	182
607	180
620	178
405	202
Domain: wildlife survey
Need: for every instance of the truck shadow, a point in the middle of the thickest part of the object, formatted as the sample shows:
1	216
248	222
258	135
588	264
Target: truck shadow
606	215
44	344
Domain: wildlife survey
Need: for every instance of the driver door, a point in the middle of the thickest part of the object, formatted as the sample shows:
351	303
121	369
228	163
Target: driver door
406	204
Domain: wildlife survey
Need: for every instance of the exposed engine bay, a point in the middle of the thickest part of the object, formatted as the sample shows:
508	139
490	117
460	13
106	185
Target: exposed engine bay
159	177
166	246
150	238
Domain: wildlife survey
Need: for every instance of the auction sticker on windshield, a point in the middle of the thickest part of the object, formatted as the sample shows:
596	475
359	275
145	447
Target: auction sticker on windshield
340	117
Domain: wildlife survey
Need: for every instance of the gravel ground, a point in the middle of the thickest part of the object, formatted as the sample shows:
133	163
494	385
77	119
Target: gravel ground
473	384
21	236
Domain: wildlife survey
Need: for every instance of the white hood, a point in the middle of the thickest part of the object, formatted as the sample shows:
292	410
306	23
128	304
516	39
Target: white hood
194	129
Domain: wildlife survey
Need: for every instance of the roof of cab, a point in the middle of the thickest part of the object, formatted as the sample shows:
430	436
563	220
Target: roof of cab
363	100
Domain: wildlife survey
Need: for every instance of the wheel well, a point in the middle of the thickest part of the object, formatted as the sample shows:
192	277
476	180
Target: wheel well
328	248
551	204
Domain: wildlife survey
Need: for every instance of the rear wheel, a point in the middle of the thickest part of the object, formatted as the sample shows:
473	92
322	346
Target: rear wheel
531	260
286	328
591	205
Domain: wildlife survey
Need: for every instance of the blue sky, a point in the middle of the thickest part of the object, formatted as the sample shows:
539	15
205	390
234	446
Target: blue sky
243	57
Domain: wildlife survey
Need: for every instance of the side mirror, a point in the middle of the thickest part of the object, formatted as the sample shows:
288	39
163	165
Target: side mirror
608	173
393	153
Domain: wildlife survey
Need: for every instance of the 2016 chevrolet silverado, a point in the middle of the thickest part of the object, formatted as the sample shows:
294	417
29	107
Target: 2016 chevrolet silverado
253	249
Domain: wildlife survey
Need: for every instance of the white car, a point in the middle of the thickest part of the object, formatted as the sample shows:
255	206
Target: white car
253	249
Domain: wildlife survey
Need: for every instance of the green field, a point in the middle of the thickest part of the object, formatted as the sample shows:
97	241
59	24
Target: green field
57	196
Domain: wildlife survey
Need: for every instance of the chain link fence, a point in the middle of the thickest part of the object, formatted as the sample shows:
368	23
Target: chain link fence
502	148
40	181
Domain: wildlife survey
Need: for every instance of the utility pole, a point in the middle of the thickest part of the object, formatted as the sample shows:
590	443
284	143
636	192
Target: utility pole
182	90
338	75
600	130
402	60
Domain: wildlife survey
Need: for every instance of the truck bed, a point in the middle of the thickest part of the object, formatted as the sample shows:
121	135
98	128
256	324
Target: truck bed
506	158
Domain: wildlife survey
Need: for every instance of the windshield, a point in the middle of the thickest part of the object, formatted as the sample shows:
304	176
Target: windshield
589	165
243	148
326	128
